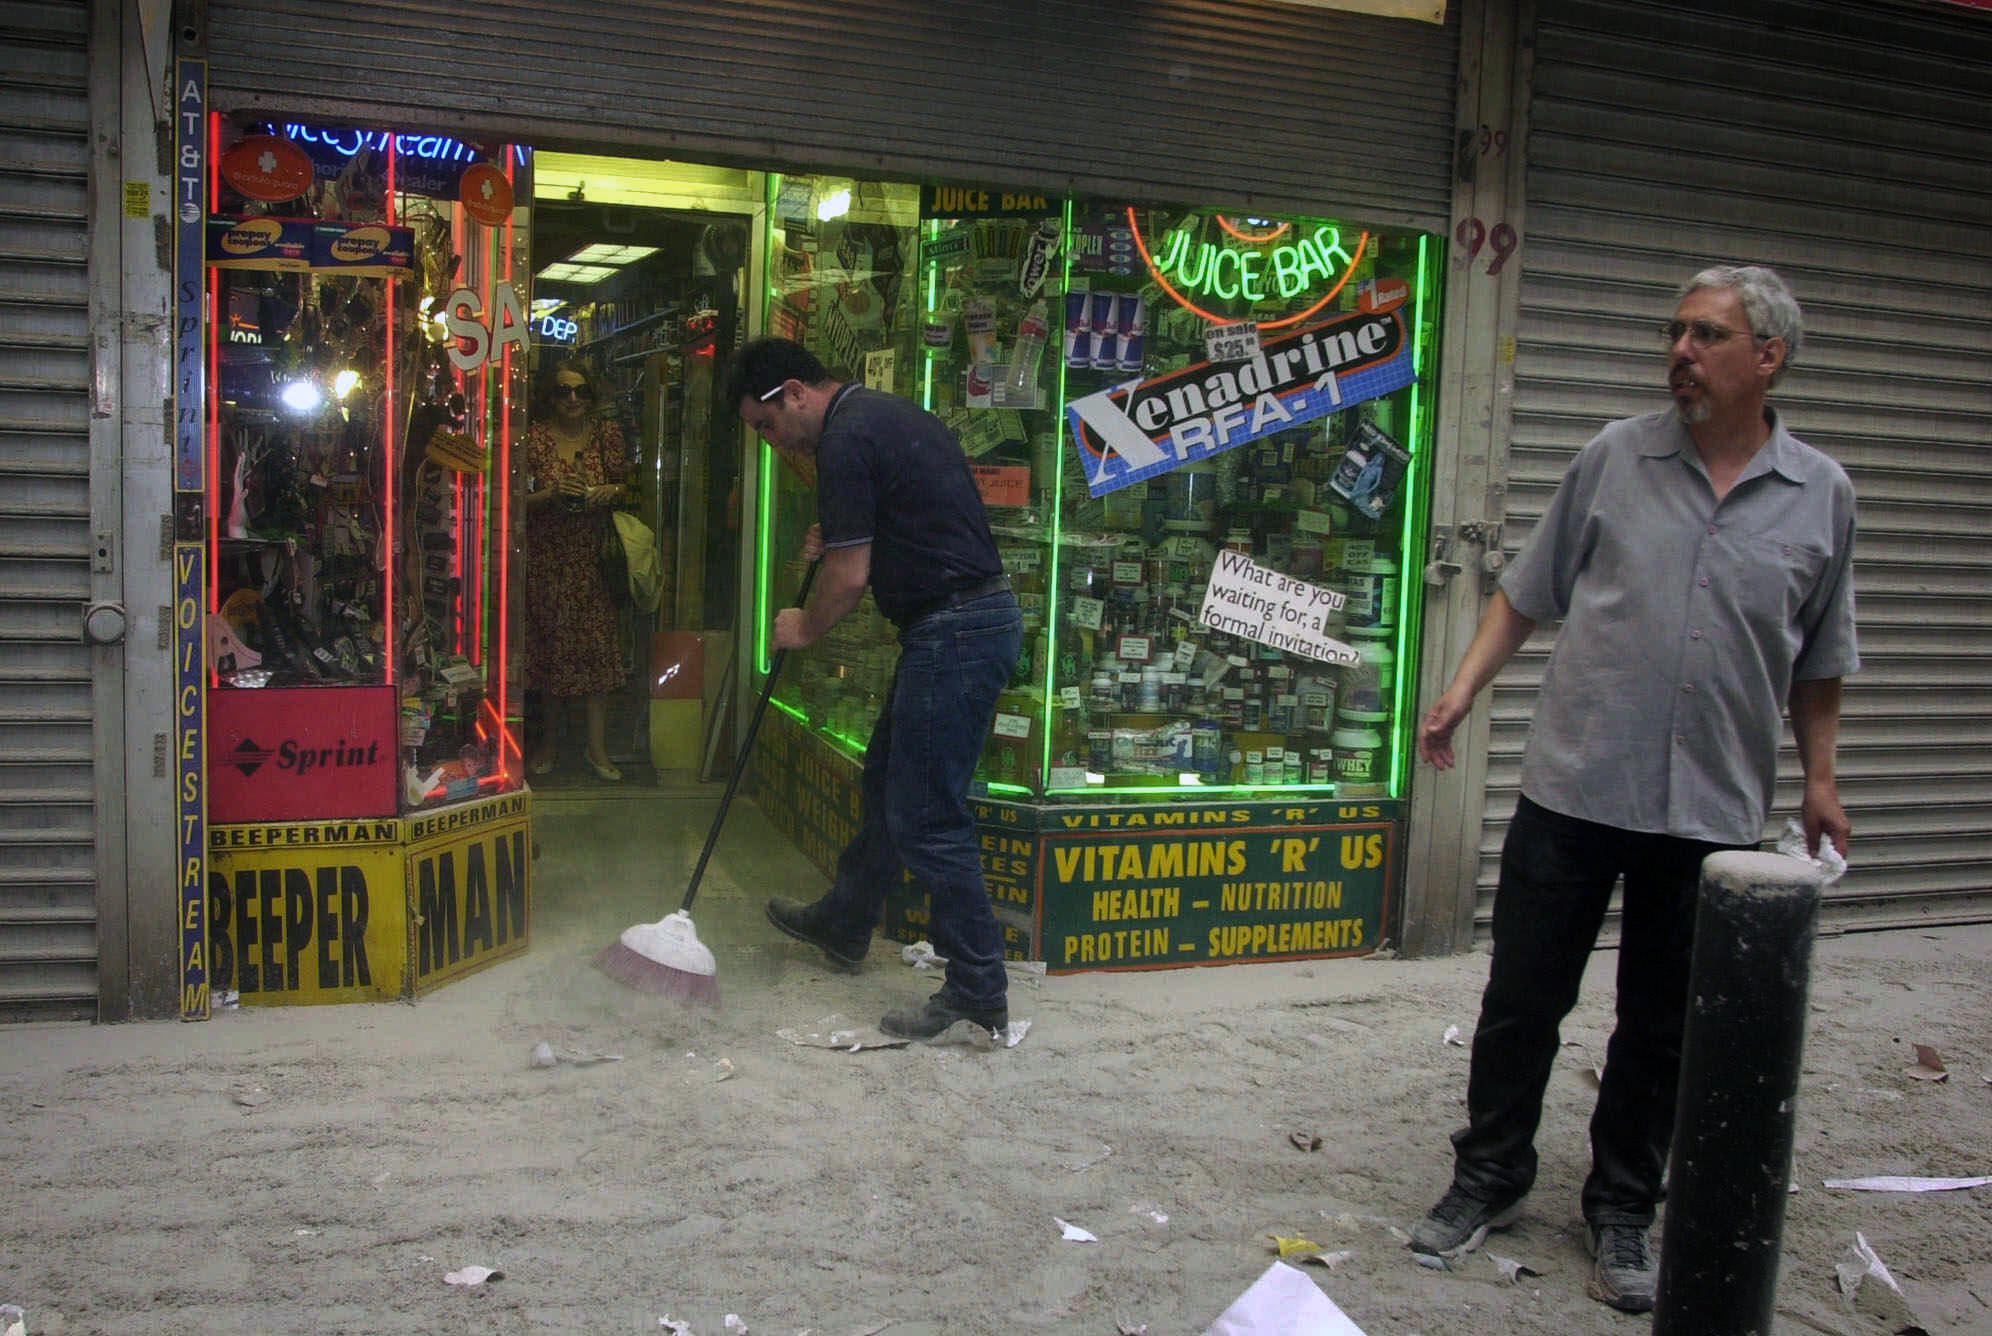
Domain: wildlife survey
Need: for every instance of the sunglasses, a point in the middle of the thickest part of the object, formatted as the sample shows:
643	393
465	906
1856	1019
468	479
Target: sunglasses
572	392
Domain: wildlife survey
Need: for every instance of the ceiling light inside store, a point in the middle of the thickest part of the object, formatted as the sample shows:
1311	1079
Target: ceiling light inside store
565	272
603	252
345	383
302	396
834	206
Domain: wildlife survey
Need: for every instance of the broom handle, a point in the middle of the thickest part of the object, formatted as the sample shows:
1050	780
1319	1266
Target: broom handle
746	747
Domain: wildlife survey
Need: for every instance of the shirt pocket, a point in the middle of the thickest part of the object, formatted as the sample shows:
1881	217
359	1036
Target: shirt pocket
1781	573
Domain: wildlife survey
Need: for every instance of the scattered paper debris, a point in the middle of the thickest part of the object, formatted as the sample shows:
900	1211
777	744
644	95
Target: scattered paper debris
1901	1183
722	1069
472	1275
1883	1298
251	1097
545	1055
1077	1165
1074	1234
1292	1245
1283	1300
1307	1141
305	1233
1159	1216
228	1001
735	1325
837	1031
1511	1270
1929	1066
1451	1036
675	1327
1130	1328
981	1037
14	1320
920	955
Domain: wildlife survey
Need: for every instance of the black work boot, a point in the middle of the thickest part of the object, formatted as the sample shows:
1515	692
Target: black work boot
809	923
938	1014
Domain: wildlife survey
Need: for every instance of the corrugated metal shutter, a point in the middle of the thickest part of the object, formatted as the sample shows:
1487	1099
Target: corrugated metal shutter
48	951
1245	102
1850	147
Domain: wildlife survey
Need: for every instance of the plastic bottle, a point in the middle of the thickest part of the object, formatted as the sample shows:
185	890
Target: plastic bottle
1021	379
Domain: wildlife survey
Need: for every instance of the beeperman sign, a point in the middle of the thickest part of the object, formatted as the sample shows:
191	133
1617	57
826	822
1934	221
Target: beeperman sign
1140	430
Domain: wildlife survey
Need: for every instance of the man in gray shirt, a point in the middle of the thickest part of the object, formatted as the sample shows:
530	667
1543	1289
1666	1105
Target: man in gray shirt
1699	559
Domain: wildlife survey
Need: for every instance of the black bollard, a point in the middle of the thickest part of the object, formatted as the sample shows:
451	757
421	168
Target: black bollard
1731	1164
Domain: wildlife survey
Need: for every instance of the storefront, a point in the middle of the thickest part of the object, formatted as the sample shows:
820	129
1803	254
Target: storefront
351	350
1151	395
1202	439
757	170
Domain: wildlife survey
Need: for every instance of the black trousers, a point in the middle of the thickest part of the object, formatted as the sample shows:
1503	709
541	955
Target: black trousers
1557	874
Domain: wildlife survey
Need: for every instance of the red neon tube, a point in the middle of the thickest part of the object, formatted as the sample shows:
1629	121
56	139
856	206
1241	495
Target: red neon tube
213	277
504	543
387	447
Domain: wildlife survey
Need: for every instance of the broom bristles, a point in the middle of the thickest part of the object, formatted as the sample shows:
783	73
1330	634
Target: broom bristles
654	977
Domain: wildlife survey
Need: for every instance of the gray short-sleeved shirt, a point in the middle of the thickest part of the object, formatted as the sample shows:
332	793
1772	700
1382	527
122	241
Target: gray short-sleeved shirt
1685	623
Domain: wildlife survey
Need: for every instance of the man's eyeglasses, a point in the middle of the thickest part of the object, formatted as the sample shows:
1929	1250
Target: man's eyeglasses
1701	333
572	392
766	395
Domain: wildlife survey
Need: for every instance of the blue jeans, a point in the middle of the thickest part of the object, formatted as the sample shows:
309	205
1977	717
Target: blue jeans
922	758
1557	873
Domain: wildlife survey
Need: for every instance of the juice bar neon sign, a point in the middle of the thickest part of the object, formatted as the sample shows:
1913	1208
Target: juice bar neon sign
1282	262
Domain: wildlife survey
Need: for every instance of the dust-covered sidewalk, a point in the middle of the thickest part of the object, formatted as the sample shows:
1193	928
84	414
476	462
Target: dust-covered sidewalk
322	1169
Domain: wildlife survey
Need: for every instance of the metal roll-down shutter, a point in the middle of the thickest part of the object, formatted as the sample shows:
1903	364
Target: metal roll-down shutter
1246	102
48	951
1849	146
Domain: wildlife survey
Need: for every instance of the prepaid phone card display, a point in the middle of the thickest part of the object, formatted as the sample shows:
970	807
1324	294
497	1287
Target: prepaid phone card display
366	304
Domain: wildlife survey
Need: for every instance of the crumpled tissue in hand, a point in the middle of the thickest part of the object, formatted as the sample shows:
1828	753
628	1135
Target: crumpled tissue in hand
1830	861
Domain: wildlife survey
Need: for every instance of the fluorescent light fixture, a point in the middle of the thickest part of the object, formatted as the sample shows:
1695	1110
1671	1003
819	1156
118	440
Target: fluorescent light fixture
345	383
833	206
565	272
543	305
603	252
302	396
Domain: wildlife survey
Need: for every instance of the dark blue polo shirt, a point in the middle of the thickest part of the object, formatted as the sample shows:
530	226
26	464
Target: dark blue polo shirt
894	476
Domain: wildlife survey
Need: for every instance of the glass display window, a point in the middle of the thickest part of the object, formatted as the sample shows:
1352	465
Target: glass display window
367	336
1248	419
841	282
1202	441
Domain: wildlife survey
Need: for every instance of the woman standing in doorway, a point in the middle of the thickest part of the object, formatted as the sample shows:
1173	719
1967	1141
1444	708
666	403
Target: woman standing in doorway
576	466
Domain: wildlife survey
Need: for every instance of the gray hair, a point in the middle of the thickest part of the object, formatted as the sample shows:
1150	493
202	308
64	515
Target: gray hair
1772	310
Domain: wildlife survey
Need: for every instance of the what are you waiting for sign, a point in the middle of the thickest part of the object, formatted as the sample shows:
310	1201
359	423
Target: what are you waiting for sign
1246	599
1136	431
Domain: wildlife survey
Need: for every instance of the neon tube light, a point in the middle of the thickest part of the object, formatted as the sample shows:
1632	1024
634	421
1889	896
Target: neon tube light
1158	273
387	448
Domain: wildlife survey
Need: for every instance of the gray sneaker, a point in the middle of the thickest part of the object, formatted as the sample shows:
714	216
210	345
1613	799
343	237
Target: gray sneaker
1460	1222
1625	1274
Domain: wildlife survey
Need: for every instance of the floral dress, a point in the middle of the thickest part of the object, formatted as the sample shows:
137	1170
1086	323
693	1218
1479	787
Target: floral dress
571	640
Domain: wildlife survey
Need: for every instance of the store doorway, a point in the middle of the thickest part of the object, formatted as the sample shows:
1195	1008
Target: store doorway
632	474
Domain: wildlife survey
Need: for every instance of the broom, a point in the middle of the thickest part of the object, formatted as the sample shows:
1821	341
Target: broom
666	957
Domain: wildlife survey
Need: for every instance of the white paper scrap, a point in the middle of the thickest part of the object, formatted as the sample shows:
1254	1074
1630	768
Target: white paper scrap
1896	1183
472	1275
1074	1234
1451	1036
1283	1302
838	1031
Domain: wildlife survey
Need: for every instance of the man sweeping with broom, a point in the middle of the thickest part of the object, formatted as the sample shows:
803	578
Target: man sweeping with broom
898	511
